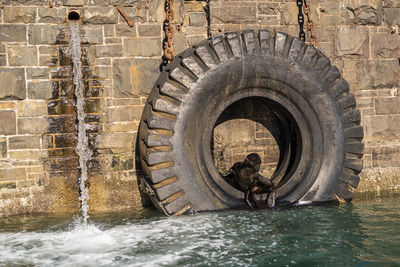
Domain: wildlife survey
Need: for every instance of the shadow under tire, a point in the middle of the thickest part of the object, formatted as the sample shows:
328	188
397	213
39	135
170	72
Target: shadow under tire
295	79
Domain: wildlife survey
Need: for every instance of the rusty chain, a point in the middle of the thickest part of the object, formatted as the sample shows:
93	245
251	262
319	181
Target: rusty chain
169	31
310	24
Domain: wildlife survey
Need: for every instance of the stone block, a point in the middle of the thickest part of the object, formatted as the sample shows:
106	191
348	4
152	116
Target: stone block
134	77
100	15
392	16
32	108
48	50
123	30
234	13
12	174
3	60
7	122
52	15
149	30
22	2
73	2
145	47
116	140
32	125
44	34
124	113
268	20
37	73
109	51
378	74
25	183
2	48
385	45
390	105
179	42
197	19
12	85
268	8
12	33
22	55
19	14
92	34
40	90
3	147
386	156
8	185
24	142
352	42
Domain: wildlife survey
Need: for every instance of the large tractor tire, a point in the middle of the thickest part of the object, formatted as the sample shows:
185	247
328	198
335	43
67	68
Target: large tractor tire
321	137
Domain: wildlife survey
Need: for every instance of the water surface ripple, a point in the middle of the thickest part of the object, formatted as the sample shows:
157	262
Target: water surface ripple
366	231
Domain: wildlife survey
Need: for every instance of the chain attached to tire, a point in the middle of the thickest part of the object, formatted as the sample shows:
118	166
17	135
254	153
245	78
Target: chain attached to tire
169	31
304	7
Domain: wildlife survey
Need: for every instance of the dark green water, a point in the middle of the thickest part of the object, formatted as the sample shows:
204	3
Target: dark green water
364	233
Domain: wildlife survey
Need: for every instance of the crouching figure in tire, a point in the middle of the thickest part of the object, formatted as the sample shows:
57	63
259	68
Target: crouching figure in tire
245	177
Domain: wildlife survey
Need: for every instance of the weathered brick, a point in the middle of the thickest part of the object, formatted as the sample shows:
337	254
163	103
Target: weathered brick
385	45
8	185
25	183
352	42
52	15
268	8
40	90
116	140
48	50
3	147
31	108
378	74
24	142
12	85
149	30
108	50
197	19
392	16
73	2
7	122
19	14
124	113
12	174
44	34
98	15
123	30
32	125
235	12
22	55
387	105
60	107
12	33
92	34
37	73
142	72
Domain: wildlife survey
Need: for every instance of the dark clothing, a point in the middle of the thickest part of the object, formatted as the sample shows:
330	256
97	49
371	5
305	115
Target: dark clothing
244	178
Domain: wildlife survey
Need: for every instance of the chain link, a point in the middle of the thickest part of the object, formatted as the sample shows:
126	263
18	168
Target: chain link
169	31
300	20
310	24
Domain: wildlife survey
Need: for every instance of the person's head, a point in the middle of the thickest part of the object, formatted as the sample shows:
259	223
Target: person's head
253	161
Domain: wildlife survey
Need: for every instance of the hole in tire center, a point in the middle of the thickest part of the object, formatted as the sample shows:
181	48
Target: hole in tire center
73	15
247	126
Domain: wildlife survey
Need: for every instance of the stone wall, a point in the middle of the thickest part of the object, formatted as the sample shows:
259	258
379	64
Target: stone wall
38	162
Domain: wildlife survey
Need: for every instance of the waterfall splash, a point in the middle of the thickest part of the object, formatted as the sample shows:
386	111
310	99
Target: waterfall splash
82	148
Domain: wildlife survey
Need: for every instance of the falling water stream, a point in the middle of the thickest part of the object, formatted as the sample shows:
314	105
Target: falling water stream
82	149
